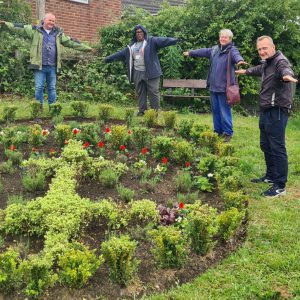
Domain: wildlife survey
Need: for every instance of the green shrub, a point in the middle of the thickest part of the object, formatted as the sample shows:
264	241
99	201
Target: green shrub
184	128
125	194
12	137
7	167
15	157
10	278
90	133
119	136
231	183
105	112
34	182
62	134
150	117
208	165
141	137
55	109
183	152
183	181
35	108
109	178
201	227
129	112
229	221
188	197
203	184
118	254
74	153
209	140
36	136
144	211
77	265
196	131
169	249
15	199
162	146
170	119
9	113
225	149
80	108
234	199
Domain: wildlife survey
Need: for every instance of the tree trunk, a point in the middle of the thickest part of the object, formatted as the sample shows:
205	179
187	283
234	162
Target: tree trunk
40	9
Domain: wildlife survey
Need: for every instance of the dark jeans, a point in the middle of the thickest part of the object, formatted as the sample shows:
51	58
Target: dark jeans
272	124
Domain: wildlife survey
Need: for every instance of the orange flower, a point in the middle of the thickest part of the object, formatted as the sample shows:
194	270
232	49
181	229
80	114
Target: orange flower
66	142
129	132
45	132
12	147
86	144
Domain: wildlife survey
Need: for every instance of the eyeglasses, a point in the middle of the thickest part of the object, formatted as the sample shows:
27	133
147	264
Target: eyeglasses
139	31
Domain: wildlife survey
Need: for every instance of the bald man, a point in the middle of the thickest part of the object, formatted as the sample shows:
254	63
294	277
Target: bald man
45	53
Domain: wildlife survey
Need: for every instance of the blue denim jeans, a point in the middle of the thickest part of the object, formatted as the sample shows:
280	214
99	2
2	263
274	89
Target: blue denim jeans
221	112
272	124
48	75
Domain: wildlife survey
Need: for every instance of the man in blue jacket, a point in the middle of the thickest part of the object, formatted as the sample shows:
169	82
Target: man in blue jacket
217	79
143	67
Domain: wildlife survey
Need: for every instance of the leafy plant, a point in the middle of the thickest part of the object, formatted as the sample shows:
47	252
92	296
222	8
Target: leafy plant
35	108
183	181
55	109
118	254
170	119
162	146
14	156
144	211
80	108
203	184
62	134
184	128
119	136
34	182
9	113
183	152
36	135
109	178
125	194
105	112
129	112
141	137
234	199
150	117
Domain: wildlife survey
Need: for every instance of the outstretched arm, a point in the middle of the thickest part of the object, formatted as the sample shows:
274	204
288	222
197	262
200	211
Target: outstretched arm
25	31
68	42
162	42
120	55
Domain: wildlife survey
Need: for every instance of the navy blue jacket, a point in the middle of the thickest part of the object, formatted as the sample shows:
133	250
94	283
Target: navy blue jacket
152	64
217	75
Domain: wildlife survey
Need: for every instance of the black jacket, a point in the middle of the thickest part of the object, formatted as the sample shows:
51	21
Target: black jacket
274	91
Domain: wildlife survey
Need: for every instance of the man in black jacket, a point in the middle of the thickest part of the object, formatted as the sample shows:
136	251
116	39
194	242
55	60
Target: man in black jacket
275	105
143	67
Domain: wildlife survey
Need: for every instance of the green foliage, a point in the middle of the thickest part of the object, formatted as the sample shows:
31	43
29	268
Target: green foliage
234	199
229	221
125	194
162	146
209	140
15	157
9	113
201	227
197	131
129	112
62	133
150	117
170	119
15	199
10	278
109	178
203	184
185	127
77	265
145	211
172	62
89	133
80	108
46	166
183	181
141	137
7	167
55	109
118	254
225	149
183	152
74	153
13	136
207	164
34	182
169	249
35	108
119	136
105	112
35	136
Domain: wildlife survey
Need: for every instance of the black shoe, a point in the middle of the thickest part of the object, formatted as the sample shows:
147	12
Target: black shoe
264	179
140	113
227	138
274	191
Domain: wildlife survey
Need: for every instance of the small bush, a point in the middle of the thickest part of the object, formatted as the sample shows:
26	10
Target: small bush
203	184
77	265
62	134
209	140
169	246
129	112
144	211
183	152
196	132
105	112
183	181
141	137
225	149
125	194
35	108
170	119
150	117
229	221
118	254
9	113
80	108
189	198
162	146
109	178
208	164
55	109
16	157
7	167
184	128
234	199
35	136
34	182
119	136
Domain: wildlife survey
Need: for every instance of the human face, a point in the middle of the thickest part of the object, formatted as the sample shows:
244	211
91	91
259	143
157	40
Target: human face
49	22
265	48
139	34
224	39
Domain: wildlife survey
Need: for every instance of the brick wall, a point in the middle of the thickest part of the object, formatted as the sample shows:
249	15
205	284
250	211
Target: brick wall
80	20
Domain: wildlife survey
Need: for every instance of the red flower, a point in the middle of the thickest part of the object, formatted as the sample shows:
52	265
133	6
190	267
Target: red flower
75	131
107	130
129	132
164	160
101	144
144	151
45	132
122	147
86	144
12	147
181	205
187	164
52	151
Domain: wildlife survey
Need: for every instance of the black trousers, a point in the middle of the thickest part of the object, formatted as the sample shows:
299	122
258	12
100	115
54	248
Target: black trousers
272	124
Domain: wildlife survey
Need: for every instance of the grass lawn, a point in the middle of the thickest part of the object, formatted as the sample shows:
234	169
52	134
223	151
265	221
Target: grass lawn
267	266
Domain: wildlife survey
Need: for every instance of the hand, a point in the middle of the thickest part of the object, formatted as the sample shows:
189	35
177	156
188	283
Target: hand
241	62
240	72
289	78
186	53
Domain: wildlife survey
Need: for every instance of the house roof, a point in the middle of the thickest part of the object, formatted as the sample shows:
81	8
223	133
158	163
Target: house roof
152	6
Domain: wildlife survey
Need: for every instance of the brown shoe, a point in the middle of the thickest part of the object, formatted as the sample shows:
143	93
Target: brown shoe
227	138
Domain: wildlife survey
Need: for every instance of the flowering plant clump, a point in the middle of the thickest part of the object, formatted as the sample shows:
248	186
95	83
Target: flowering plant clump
52	152
161	169
164	160
75	131
36	135
45	132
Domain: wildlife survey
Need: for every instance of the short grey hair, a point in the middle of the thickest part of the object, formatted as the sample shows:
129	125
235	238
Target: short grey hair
226	32
265	37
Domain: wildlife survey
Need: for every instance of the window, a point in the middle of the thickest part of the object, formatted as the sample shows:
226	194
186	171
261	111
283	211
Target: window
81	1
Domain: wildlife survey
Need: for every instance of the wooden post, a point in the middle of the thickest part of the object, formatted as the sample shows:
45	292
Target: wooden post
40	9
